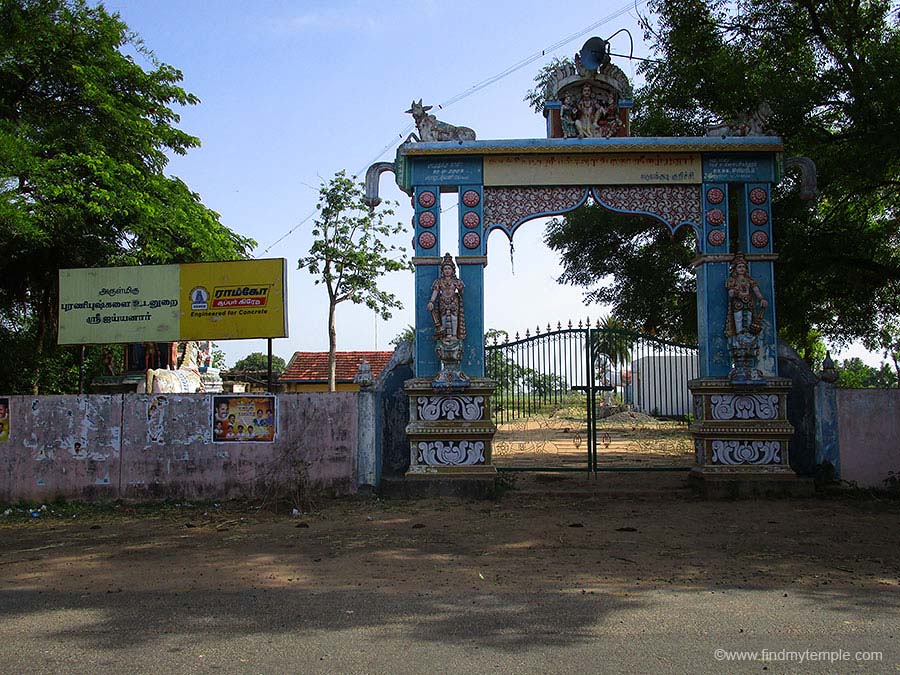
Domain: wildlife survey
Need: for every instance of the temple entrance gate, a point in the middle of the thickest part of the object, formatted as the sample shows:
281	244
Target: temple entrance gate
719	186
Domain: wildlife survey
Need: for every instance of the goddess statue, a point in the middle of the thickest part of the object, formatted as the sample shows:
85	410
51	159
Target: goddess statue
446	307
446	304
743	325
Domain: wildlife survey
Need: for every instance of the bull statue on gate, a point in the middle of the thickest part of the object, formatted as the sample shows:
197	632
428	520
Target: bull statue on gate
430	128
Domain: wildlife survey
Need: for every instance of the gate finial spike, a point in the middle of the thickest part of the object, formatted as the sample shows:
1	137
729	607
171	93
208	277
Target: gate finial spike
548	327
527	333
559	325
537	329
598	324
517	335
580	325
570	323
505	338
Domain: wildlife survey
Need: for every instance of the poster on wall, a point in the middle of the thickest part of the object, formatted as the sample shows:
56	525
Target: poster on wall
4	420
244	418
156	419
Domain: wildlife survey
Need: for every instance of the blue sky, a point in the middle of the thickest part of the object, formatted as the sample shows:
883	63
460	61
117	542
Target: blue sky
292	92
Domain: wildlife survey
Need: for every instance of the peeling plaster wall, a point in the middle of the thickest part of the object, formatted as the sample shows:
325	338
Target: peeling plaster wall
122	451
869	435
61	445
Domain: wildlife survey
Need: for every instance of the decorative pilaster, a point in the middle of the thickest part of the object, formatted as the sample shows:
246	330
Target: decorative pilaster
427	220
712	271
366	460
741	431
426	242
756	244
427	270
471	273
471	262
450	432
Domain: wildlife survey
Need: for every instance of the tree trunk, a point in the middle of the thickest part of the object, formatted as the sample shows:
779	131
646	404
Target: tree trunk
332	347
39	343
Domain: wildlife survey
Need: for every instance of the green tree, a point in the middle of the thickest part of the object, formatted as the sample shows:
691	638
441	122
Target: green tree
644	272
612	341
888	341
543	83
260	362
408	334
830	71
349	253
85	135
854	374
218	356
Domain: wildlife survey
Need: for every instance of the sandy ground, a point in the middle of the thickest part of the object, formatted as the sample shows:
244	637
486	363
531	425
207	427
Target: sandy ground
87	583
627	439
546	533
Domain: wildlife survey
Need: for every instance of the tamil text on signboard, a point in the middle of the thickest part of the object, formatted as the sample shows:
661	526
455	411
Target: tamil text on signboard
166	303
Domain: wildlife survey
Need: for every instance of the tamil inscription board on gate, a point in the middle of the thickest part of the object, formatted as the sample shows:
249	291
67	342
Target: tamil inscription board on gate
440	172
165	303
733	168
583	169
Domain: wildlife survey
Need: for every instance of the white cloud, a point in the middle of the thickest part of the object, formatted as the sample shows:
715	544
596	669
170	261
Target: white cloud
352	19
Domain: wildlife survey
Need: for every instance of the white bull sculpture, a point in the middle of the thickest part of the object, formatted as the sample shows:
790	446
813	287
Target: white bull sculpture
185	380
430	128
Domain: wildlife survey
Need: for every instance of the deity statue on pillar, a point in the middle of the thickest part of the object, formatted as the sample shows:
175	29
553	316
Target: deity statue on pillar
746	306
446	308
445	303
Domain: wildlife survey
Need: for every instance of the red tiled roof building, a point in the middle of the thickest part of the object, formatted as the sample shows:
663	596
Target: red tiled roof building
308	371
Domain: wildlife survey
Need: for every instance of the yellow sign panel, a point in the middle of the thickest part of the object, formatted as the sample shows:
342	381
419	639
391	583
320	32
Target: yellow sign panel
165	303
231	300
577	169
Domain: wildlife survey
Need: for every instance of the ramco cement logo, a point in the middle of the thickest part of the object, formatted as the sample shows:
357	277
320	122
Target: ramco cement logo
199	298
239	296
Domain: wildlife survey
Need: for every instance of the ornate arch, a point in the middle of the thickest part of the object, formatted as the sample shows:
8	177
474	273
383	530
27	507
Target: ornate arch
507	208
672	205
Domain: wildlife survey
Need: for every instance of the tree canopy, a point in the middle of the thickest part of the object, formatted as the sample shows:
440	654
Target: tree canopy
854	374
408	334
830	72
85	136
257	361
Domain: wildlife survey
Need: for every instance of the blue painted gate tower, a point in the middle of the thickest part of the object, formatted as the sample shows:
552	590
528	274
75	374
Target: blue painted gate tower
718	185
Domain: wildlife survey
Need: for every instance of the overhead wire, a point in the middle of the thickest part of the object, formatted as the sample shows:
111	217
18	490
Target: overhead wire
631	5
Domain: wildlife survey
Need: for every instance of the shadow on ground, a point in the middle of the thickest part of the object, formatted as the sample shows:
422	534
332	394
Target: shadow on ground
530	571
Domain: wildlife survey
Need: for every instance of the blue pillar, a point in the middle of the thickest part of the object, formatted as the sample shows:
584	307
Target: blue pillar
471	273
756	244
471	263
712	271
427	246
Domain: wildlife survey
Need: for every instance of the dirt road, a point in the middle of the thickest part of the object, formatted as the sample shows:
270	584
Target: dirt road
540	569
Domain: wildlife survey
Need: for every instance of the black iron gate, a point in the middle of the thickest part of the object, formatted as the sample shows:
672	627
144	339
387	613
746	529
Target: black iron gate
590	398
